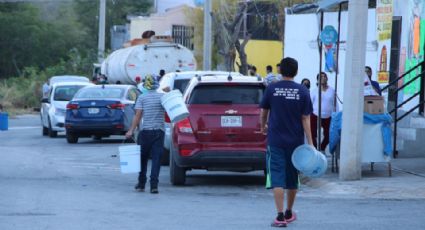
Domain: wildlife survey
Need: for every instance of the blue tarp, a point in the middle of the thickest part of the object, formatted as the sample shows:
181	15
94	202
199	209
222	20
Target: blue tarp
385	119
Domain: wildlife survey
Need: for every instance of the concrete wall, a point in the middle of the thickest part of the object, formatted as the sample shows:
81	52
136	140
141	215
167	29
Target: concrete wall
161	23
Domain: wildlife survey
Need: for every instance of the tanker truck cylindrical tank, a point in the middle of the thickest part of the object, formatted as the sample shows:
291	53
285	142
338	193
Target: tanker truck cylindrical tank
126	64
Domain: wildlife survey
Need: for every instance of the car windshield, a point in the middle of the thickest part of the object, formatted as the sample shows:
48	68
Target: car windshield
227	94
66	93
181	84
100	93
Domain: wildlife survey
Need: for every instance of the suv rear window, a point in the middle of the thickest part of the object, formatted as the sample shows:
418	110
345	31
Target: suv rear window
226	94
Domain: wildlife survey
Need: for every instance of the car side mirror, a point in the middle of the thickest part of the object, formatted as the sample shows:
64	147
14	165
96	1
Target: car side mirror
45	100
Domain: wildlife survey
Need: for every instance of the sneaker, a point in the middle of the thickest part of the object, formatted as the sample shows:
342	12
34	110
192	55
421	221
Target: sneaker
280	221
290	216
139	187
279	224
154	190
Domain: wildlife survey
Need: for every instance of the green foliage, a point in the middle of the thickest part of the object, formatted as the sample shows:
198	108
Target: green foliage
28	40
25	91
40	40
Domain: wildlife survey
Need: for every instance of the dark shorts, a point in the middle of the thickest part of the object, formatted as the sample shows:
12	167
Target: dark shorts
281	173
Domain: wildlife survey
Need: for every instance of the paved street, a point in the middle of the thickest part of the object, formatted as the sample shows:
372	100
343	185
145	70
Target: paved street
49	184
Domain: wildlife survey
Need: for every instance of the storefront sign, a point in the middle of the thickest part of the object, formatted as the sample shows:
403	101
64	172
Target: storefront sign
384	18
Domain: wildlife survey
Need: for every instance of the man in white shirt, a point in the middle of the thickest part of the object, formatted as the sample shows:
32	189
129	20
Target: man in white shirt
329	105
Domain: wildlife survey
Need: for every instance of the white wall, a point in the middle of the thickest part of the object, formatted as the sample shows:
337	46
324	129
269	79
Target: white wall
161	23
301	32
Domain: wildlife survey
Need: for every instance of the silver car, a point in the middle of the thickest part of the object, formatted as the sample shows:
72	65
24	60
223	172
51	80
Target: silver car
53	108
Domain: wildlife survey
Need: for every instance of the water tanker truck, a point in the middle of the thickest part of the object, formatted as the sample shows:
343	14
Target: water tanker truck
149	56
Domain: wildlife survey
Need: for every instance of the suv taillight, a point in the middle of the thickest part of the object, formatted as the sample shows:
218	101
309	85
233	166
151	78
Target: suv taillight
116	106
167	118
184	126
72	106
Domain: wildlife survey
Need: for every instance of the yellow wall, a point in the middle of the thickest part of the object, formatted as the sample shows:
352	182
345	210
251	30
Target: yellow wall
262	53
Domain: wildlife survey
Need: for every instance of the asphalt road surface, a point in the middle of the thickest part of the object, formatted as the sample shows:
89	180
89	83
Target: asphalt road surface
46	183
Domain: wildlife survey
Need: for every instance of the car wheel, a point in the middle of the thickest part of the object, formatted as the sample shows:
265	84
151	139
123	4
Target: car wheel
97	137
50	131
177	174
71	138
165	158
45	131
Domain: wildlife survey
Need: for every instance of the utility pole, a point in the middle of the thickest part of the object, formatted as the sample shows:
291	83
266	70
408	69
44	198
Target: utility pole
352	117
101	41
207	35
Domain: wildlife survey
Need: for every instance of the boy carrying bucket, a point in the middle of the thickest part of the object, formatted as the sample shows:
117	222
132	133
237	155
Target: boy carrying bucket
285	117
148	106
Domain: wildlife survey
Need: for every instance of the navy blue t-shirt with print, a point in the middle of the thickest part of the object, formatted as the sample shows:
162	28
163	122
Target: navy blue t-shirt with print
288	102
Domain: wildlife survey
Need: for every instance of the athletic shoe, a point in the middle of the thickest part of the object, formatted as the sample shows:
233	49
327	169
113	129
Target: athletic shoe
154	190
139	187
290	216
279	224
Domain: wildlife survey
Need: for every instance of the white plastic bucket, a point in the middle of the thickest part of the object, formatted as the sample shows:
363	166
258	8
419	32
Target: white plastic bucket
174	105
309	161
129	158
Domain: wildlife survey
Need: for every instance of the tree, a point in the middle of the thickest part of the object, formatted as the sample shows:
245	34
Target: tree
28	39
228	23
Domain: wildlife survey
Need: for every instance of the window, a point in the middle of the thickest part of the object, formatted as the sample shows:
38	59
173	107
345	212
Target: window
100	93
184	35
181	84
226	94
66	93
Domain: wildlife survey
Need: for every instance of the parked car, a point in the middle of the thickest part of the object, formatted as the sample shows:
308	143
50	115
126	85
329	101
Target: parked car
100	111
222	131
52	112
180	80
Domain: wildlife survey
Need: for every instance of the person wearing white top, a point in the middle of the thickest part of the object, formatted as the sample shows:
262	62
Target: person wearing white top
46	89
327	108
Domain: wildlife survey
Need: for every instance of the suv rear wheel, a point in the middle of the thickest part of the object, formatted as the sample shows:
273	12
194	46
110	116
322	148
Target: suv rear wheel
177	174
71	138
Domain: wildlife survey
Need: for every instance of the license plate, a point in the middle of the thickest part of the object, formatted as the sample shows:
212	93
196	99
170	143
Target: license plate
231	121
93	110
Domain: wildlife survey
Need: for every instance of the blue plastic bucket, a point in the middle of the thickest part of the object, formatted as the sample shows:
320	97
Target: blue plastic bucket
4	121
309	161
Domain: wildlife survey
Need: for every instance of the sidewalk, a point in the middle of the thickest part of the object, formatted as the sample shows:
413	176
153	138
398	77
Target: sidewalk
407	181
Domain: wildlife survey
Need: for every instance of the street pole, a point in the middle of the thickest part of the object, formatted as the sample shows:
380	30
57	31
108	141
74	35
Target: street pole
352	117
101	41
207	35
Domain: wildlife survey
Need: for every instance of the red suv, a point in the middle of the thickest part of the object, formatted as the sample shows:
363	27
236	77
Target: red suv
223	129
